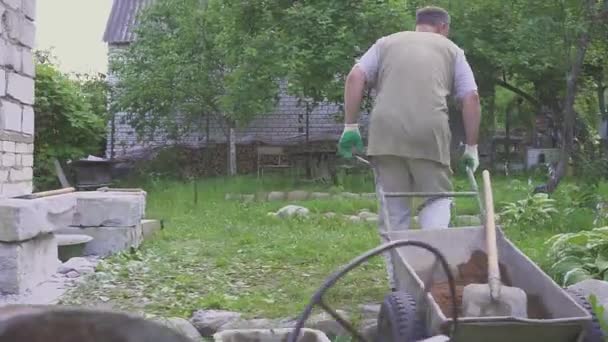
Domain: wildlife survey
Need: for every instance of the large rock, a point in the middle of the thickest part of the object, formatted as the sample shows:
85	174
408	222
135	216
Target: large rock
150	227
109	209
325	323
258	323
292	210
320	195
24	265
108	240
23	219
182	326
276	196
297	195
78	264
208	322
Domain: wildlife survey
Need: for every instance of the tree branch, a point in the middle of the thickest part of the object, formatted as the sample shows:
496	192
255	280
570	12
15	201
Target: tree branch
519	92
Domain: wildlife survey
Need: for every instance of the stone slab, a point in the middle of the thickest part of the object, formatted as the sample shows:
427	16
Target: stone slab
109	209
150	227
108	240
24	265
23	219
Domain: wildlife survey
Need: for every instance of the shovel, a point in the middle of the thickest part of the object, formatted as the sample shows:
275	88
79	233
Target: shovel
494	298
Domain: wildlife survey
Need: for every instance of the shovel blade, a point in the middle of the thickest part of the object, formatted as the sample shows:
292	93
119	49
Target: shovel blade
478	302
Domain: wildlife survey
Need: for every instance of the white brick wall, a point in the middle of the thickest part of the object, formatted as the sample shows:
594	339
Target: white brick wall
10	114
17	72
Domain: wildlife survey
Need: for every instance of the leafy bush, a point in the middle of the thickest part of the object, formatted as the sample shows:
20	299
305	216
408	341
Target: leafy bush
533	210
66	126
579	256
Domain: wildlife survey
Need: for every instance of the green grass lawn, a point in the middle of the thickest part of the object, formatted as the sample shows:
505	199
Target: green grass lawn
230	255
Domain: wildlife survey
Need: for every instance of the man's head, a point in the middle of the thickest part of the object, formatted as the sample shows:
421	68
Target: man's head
433	19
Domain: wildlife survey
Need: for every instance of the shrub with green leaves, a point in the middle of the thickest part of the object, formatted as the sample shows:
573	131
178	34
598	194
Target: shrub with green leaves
579	256
533	210
66	125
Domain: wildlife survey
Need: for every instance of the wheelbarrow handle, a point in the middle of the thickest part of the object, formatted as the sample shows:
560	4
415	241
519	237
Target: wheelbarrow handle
473	181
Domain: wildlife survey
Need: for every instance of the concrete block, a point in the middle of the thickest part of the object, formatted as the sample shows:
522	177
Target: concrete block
11	54
2	82
22	148
22	219
14	4
16	189
109	209
28	33
21	174
8	146
3	175
21	88
13	21
8	159
149	227
10	115
27	160
108	240
24	265
27	120
29	9
27	63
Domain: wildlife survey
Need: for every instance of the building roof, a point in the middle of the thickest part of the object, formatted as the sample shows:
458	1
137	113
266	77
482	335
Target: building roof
122	21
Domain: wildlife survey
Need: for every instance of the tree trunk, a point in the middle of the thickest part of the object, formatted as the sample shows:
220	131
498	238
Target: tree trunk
567	139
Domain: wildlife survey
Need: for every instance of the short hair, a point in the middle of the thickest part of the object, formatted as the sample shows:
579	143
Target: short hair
432	15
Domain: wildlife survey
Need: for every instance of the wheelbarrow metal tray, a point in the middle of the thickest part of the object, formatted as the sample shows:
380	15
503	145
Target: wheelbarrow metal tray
565	322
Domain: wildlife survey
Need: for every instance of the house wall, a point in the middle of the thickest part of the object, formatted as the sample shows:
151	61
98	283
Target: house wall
17	72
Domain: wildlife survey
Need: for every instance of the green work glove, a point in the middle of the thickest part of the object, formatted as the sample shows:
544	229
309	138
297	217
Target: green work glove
350	138
470	158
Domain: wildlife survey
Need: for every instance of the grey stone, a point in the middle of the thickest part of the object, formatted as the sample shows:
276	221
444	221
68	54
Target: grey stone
269	335
78	264
370	195
24	265
208	322
182	326
297	195
276	196
22	219
21	174
353	218
329	215
248	198
73	274
320	195
21	87
10	114
370	311
369	329
325	323
108	240
350	195
232	197
261	196
259	323
149	227
292	210
27	34
364	215
105	209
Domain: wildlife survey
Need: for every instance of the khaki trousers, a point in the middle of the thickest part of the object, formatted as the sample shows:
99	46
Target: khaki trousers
398	174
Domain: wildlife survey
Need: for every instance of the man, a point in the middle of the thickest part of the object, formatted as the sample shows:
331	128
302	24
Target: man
409	135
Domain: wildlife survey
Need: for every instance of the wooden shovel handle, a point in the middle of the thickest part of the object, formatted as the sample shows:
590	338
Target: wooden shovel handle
493	270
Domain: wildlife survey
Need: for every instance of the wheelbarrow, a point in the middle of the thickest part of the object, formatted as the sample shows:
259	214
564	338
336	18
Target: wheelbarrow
412	313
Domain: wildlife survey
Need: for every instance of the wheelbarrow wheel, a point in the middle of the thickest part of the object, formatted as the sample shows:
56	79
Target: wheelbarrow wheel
398	319
594	331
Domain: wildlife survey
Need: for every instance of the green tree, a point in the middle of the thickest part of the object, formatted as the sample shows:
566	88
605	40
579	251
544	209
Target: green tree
67	127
